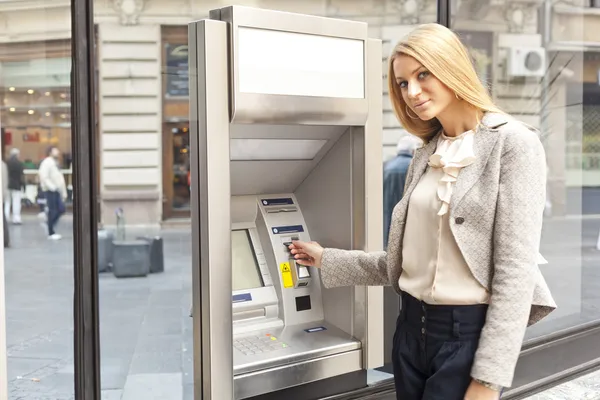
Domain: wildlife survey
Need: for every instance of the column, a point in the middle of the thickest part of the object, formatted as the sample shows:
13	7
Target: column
129	62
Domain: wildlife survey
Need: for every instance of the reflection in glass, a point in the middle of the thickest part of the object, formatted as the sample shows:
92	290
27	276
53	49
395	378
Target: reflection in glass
181	168
244	276
537	70
35	114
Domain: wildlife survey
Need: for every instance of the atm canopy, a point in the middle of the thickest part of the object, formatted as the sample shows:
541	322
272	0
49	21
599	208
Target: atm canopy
295	69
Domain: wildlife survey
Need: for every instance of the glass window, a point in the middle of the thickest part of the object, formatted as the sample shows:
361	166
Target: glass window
396	20
536	60
143	103
35	132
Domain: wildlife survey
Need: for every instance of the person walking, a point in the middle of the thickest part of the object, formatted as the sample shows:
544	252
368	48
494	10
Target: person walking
54	187
463	248
16	182
394	177
4	196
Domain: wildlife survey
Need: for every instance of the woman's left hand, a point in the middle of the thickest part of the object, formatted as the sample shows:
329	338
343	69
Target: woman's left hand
477	391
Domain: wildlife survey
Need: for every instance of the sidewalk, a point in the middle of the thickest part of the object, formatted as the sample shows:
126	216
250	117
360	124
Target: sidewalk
582	388
146	331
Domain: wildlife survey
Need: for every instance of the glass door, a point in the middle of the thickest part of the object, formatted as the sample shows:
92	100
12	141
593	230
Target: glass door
48	308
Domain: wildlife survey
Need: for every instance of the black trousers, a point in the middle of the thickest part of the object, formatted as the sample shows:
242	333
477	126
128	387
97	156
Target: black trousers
55	209
433	350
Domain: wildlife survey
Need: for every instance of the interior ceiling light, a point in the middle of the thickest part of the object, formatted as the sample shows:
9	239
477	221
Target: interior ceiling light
30	91
12	89
30	112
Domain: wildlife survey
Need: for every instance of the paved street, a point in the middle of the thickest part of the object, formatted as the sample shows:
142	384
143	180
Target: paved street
146	339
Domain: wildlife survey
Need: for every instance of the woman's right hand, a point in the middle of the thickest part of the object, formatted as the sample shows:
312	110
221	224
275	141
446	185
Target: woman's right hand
307	253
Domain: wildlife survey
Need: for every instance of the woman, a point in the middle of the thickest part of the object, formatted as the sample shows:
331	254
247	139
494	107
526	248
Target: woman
464	239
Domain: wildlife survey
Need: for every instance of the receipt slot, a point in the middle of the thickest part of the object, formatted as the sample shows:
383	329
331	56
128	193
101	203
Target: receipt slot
285	130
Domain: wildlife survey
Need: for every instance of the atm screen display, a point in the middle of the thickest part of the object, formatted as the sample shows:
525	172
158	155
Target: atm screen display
245	271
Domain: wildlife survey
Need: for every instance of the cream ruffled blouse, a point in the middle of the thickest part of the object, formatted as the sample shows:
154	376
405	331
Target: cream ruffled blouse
453	154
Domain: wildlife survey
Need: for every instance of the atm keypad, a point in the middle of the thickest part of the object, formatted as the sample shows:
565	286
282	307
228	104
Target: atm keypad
250	345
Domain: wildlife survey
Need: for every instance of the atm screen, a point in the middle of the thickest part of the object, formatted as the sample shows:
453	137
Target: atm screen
245	271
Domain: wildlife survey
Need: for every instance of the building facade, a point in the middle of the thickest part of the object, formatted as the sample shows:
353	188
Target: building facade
142	97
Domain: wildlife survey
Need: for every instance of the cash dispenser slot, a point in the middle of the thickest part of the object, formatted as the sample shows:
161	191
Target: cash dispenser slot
300	273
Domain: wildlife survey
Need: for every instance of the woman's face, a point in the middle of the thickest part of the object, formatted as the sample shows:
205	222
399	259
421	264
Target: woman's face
425	95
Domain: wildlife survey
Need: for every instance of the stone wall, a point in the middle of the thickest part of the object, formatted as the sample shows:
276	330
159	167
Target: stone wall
130	105
130	72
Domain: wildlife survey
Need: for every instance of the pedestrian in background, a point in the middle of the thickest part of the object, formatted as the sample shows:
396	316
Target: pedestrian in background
4	196
54	187
394	177
16	183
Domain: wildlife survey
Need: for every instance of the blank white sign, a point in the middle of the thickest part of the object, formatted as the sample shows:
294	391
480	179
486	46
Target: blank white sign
298	64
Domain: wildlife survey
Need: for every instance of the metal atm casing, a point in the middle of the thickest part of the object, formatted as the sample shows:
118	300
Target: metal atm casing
236	101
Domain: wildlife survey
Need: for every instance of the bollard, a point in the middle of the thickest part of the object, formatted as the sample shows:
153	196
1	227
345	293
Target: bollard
120	214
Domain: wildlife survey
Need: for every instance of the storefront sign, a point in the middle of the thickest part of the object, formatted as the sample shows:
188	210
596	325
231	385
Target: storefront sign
177	82
31	137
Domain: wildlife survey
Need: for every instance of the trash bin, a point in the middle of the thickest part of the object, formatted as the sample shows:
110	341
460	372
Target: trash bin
131	258
105	250
157	260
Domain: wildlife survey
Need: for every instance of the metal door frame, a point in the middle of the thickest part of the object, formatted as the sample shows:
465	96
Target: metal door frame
86	337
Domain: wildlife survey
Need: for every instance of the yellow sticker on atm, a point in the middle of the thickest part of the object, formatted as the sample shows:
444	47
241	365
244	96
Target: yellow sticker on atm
286	275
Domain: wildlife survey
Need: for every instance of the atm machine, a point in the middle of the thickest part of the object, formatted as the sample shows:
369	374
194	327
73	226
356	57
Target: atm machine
285	123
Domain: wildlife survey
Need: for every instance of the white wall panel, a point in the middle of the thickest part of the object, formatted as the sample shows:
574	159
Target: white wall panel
391	136
130	69
119	141
133	158
129	51
390	120
136	123
131	87
120	105
123	33
519	106
130	177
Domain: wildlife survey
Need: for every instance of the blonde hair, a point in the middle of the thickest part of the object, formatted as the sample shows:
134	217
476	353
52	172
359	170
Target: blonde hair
439	50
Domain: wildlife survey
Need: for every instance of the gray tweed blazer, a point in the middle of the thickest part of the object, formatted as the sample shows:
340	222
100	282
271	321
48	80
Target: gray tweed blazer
496	214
